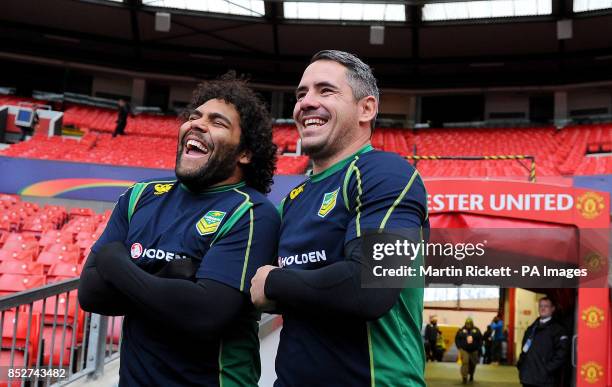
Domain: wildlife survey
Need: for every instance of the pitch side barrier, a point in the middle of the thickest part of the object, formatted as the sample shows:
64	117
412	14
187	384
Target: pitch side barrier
531	169
48	340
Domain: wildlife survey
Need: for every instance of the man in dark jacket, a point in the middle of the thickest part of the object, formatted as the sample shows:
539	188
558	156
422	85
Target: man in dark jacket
469	341
431	338
545	349
487	339
122	116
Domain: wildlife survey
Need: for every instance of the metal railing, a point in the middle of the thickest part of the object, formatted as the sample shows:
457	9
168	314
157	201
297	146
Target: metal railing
48	340
531	169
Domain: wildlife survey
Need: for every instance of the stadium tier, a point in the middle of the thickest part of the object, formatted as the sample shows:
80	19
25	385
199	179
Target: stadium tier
48	241
557	152
104	120
40	246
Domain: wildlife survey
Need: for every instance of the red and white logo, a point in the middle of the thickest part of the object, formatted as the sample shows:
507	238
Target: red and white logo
136	250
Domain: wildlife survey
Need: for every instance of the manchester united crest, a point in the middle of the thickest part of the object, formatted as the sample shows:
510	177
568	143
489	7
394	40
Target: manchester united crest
590	205
593	316
594	262
591	372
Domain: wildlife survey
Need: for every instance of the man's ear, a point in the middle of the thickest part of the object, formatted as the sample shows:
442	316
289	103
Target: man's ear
368	107
245	157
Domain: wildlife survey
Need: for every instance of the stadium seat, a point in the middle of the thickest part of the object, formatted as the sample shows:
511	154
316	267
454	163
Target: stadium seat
10	266
55	237
20	255
18	331
11	283
62	248
61	270
49	258
20	245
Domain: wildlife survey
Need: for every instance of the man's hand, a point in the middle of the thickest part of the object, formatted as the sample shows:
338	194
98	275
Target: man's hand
258	295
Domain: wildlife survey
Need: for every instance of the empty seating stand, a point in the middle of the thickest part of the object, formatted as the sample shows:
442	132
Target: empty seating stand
55	254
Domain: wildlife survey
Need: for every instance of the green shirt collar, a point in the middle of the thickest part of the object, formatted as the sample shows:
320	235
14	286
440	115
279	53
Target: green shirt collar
339	165
220	188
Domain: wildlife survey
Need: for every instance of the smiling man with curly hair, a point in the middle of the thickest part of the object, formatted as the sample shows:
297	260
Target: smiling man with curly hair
178	254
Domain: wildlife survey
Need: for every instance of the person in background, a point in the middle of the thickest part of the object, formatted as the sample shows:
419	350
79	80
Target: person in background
122	116
545	349
487	339
468	341
431	338
497	326
440	347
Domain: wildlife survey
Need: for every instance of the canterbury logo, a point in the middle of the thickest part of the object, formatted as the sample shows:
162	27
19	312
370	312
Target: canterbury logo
296	191
162	188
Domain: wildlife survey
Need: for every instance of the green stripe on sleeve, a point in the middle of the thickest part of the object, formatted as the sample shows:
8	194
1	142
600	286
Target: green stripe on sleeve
347	179
236	215
134	196
248	249
398	200
358	207
280	207
371	353
136	193
221	363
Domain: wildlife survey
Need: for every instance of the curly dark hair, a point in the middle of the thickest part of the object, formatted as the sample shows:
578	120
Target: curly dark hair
255	122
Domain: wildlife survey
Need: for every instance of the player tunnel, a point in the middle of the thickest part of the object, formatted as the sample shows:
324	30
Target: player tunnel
535	225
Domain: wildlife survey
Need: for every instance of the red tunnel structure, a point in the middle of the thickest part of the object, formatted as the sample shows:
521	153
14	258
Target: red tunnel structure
575	219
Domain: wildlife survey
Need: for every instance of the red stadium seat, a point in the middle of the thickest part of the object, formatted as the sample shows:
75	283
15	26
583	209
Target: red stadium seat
20	255
18	331
62	248
62	270
9	266
49	258
11	283
20	245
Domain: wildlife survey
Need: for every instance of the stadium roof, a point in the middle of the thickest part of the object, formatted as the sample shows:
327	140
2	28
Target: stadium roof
273	49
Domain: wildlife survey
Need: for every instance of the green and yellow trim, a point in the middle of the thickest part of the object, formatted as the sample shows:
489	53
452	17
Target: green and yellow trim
220	363
398	200
339	165
371	353
234	217
248	249
220	188
136	193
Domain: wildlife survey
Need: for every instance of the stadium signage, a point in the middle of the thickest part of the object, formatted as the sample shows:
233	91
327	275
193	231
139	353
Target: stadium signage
524	200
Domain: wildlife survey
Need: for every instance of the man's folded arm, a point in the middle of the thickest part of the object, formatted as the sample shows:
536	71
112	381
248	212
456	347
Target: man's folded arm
334	289
98	296
201	309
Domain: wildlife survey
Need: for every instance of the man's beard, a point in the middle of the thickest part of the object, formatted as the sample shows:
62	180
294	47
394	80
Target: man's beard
218	168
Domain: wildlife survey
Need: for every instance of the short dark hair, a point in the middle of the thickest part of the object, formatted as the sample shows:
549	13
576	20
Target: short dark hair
255	122
546	298
359	75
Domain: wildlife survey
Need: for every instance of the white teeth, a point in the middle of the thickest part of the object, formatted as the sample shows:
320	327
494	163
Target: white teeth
197	144
314	121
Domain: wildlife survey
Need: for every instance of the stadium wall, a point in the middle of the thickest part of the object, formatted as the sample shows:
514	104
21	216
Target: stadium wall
104	86
84	181
589	100
506	103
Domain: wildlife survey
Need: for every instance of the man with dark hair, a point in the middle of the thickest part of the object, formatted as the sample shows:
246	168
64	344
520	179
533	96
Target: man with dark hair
431	338
123	111
469	341
335	331
178	254
497	326
545	349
